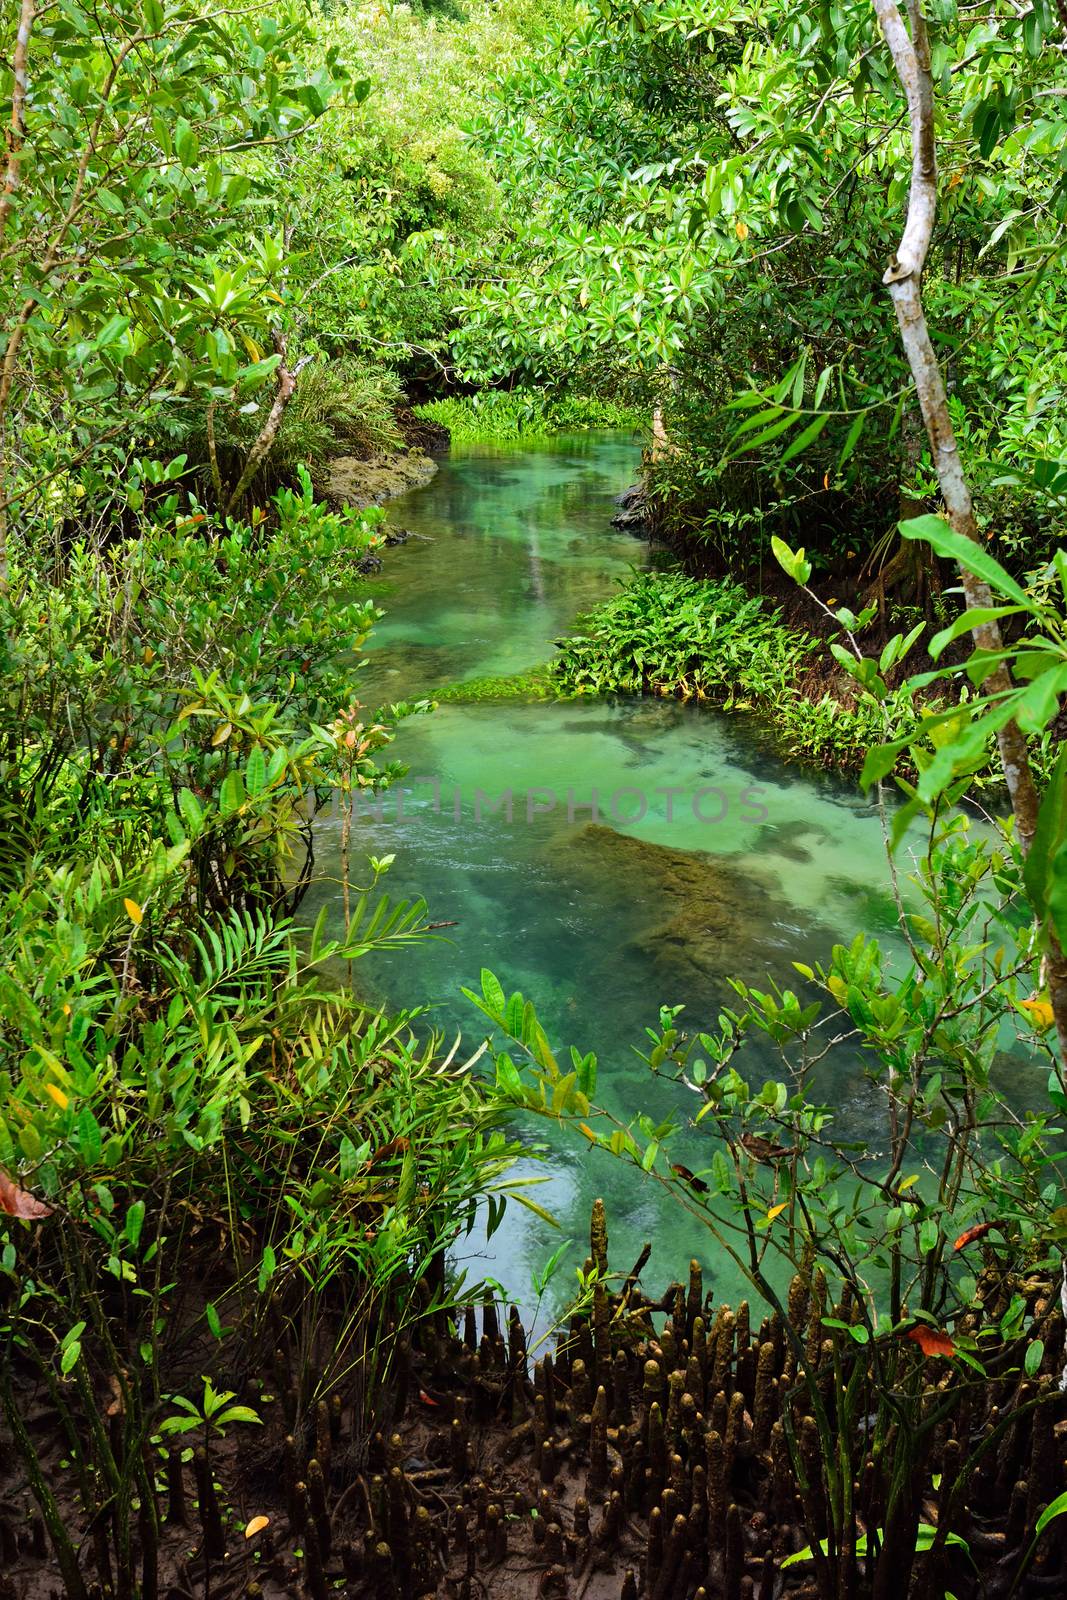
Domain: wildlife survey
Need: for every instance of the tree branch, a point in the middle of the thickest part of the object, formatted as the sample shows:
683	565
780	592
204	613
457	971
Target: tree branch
264	440
19	91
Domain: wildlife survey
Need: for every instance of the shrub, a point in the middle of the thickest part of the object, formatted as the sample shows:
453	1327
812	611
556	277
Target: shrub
342	407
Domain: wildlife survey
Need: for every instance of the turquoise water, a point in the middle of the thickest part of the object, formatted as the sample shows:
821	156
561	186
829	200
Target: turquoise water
708	856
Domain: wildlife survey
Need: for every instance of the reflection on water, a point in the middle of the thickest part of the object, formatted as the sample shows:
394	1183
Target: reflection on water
650	850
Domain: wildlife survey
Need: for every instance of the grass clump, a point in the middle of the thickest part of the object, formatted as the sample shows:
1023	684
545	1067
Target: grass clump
341	407
668	634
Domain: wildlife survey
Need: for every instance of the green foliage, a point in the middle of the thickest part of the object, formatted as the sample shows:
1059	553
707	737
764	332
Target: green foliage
669	634
519	686
177	682
394	214
858	1244
193	1100
706	198
137	273
343	407
497	414
171	1081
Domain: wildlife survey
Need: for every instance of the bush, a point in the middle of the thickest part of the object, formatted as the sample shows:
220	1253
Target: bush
498	414
177	678
342	407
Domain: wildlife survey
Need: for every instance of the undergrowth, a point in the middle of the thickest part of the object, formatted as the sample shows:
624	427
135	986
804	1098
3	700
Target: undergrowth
668	634
497	415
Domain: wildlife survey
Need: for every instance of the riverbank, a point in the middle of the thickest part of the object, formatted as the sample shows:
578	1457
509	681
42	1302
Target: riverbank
370	477
711	641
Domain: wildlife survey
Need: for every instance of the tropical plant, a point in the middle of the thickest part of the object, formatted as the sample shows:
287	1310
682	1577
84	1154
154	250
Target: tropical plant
702	639
134	274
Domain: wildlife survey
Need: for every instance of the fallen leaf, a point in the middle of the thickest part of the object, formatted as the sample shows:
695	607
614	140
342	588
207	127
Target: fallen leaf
256	1525
969	1235
776	1211
931	1341
428	1399
17	1203
761	1149
134	912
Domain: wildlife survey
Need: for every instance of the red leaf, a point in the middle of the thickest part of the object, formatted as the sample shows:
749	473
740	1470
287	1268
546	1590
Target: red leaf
979	1231
931	1341
17	1203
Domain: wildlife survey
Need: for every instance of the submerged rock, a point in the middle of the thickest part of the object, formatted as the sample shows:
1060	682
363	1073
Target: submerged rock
689	917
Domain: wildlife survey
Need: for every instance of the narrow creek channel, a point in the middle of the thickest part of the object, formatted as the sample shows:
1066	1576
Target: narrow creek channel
708	856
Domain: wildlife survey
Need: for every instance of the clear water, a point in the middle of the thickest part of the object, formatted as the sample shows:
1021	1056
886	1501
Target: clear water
600	921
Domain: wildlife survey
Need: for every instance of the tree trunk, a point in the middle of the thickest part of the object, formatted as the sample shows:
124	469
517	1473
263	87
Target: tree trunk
903	279
264	440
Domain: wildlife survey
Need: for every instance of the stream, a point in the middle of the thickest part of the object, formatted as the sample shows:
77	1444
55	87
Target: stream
708	856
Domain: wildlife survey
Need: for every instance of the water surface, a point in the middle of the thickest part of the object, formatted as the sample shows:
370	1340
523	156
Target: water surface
705	855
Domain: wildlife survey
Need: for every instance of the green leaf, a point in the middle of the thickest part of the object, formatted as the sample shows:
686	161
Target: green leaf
852	439
767	434
267	1267
1049	835
966	622
349	1161
186	143
792	562
508	1078
531	1205
954	546
1035	1354
191	810
134	1223
494	994
232	794
1057	892
236	1414
1054	1509
255	772
90	1138
803	439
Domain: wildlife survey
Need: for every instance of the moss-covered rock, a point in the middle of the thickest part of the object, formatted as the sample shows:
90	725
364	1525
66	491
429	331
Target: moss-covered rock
360	483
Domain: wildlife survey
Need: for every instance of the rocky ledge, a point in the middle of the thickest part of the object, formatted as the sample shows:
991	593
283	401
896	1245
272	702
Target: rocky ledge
372	480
